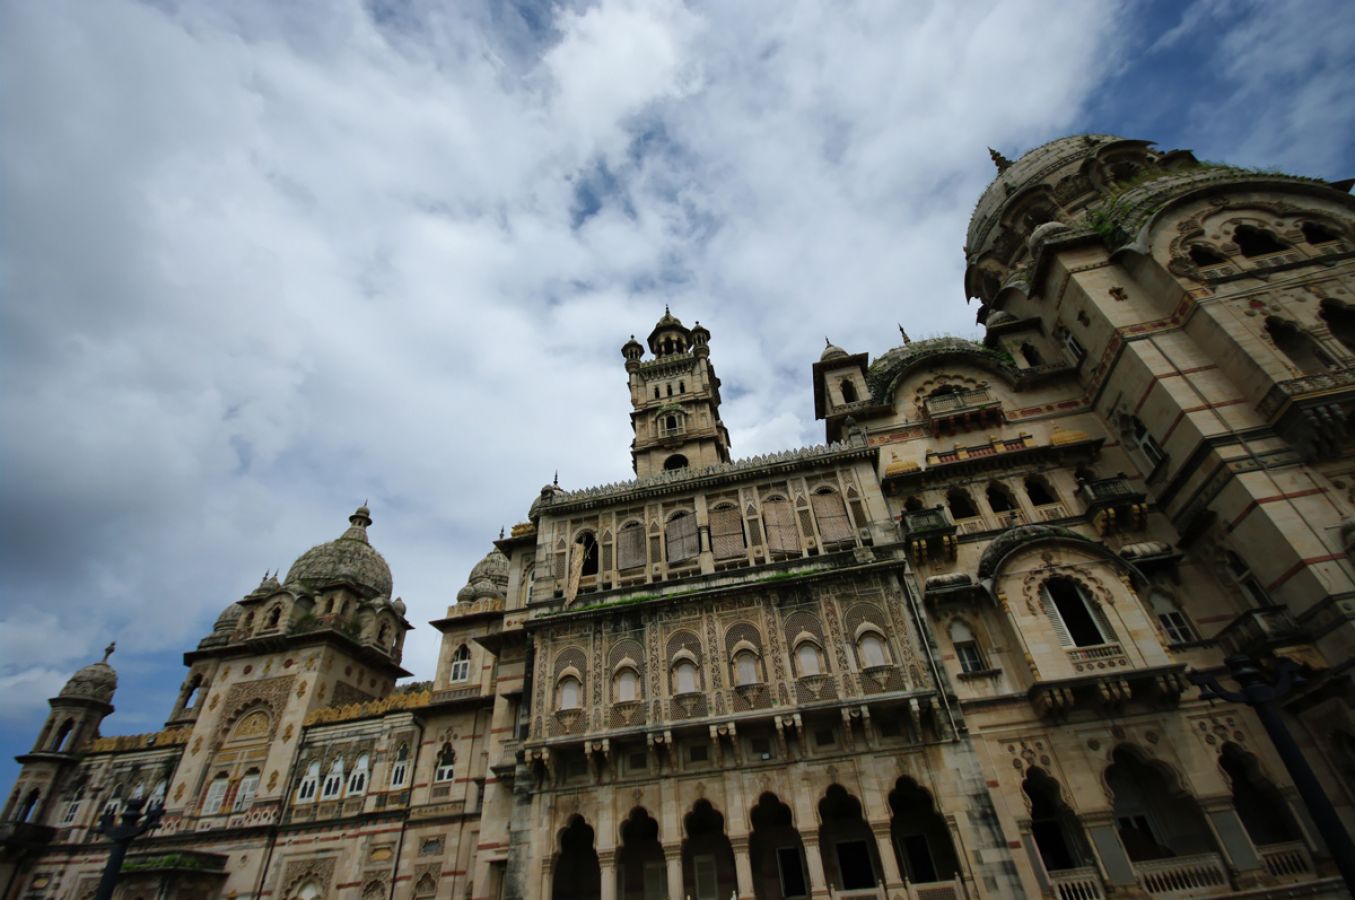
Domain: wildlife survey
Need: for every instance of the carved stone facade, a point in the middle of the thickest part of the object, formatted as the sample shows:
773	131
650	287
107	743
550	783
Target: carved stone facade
943	655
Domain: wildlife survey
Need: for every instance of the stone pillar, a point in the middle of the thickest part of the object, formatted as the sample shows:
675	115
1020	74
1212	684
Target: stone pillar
607	871
1236	844
818	883
672	855
743	866
889	863
1107	847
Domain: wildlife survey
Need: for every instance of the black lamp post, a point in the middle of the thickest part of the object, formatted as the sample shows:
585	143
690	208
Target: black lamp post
1263	696
133	826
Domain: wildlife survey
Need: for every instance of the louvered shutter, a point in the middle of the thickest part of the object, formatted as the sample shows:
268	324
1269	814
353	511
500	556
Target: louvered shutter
779	520
630	547
726	533
682	542
834	526
1056	620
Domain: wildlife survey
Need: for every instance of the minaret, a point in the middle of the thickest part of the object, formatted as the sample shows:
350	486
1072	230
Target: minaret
675	400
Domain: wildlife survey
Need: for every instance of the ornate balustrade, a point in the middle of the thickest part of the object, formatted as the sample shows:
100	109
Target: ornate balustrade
1201	875
1288	862
939	890
1083	883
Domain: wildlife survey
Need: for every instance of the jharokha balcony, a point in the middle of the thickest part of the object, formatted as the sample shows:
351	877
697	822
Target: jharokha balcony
1114	504
930	534
957	411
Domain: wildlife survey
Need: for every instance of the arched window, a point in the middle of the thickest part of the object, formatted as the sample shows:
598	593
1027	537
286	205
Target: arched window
808	659
961	506
871	652
1299	346
746	668
1175	626
682	387
357	779
1039	492
587	544
1314	233
59	742
1253	241
626	686
831	514
657	395
274	616
1246	581
1138	433
333	780
305	791
30	804
383	636
912	504
446	767
670	390
778	519
726	532
1031	354
685	677
244	794
1000	499
570	693
675	462
848	391
216	793
157	797
681	537
400	767
72	811
1340	319
966	646
670	424
193	693
461	664
630	546
1077	620
1259	805
1203	255
1055	828
1154	817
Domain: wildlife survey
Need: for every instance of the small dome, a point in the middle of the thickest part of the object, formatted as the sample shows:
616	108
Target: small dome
466	594
96	681
229	616
489	578
349	560
832	351
399	606
485	589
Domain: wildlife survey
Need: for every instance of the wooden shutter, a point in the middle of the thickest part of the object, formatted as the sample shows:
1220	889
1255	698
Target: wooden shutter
630	546
726	533
1055	619
779	520
834	526
682	541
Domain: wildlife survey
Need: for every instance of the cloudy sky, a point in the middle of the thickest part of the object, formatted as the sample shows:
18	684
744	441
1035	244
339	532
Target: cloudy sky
260	262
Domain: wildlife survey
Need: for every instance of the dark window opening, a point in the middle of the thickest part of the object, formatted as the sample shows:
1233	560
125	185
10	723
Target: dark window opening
1053	825
1259	805
1202	255
676	461
274	617
670	423
912	504
793	882
670	390
656	392
1075	612
1039	492
682	387
853	863
1314	233
59	744
1253	241
589	545
1000	500
961	506
1299	346
848	392
1031	354
1340	319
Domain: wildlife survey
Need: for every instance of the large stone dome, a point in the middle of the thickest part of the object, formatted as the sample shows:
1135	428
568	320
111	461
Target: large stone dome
96	681
349	560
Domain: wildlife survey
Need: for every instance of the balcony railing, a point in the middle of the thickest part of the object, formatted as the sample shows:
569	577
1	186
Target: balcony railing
960	401
1202	875
1110	490
940	890
1256	629
962	410
926	521
1077	884
1288	862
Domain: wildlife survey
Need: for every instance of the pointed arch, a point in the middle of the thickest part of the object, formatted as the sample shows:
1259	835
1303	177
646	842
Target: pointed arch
576	873
919	833
1154	815
1298	345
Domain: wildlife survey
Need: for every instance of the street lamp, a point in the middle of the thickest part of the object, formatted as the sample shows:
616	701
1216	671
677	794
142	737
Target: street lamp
1263	696
133	826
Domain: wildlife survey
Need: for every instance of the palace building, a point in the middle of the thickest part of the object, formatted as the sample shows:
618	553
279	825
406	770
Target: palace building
941	656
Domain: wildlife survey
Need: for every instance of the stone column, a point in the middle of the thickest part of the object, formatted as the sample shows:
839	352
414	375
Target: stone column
1107	847
607	871
889	863
1238	849
818	883
672	855
743	866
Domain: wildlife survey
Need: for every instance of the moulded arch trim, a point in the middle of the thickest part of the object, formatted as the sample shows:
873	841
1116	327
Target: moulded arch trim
1064	796
677	513
1142	242
794	821
569	672
744	646
866	628
1176	785
1026	537
626	663
805	637
684	655
586	529
975	355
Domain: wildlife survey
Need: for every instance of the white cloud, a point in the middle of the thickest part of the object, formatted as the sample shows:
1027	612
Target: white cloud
261	261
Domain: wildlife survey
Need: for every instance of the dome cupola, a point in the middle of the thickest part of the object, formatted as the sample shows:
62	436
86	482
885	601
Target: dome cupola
348	561
670	336
96	681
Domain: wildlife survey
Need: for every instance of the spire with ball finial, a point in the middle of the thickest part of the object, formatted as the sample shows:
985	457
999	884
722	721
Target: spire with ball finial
1002	162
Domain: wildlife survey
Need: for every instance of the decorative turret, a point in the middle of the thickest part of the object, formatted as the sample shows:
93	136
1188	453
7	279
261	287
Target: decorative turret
675	401
347	561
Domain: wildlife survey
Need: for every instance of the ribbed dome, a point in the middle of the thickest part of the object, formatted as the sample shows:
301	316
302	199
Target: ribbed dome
349	560
489	579
832	351
96	681
229	616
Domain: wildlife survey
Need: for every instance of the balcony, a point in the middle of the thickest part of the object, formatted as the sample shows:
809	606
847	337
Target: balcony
1077	884
1288	863
1201	875
962	411
1258	630
930	534
1114	504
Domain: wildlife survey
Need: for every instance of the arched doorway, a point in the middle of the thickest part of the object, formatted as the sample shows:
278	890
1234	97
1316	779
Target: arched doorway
776	852
1058	834
707	857
1154	816
919	834
1259	805
577	875
850	859
640	867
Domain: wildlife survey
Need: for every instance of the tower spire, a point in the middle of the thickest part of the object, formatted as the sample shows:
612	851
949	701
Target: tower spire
1002	162
108	651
